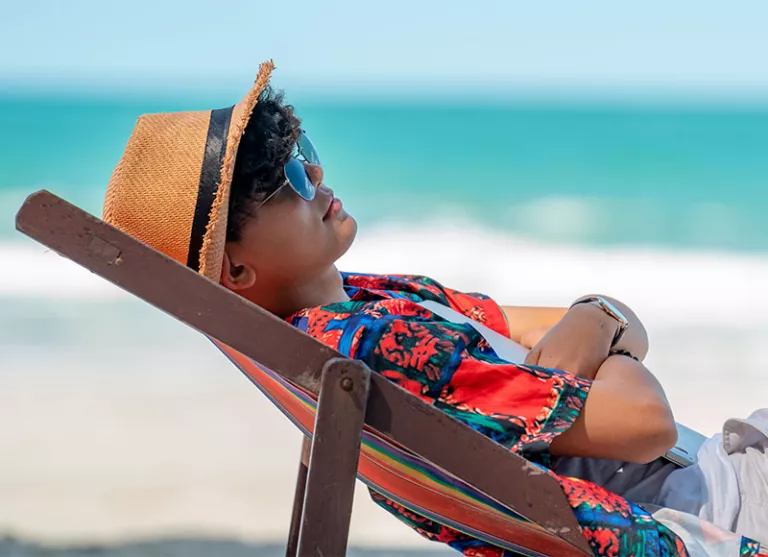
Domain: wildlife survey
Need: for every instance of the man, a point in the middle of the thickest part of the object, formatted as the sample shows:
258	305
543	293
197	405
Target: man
238	194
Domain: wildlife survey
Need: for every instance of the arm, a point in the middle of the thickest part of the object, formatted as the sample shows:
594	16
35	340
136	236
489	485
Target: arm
624	414
626	417
524	320
635	339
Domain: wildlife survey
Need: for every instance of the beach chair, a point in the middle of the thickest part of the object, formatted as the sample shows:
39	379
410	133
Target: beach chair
360	424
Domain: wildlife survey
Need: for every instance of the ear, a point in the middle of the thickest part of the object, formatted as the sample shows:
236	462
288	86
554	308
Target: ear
234	276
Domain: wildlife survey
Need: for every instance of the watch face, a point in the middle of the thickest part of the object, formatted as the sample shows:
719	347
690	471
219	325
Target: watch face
615	313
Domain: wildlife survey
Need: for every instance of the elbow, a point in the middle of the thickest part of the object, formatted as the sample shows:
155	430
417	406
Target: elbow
658	433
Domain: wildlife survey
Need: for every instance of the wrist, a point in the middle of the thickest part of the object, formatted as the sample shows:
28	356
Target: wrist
601	323
620	322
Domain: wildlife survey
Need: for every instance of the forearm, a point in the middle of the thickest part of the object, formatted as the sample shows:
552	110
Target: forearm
626	417
523	319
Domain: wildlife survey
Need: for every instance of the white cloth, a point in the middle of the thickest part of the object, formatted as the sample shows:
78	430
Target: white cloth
728	487
701	538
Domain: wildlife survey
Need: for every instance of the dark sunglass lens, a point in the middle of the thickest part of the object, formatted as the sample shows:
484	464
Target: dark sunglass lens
307	150
300	182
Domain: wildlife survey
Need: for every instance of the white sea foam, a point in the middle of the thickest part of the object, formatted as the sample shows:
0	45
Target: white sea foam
682	287
35	272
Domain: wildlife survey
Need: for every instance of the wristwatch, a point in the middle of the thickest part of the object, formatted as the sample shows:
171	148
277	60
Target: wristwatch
611	310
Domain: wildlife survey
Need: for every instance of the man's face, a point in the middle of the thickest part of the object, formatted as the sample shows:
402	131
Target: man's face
289	241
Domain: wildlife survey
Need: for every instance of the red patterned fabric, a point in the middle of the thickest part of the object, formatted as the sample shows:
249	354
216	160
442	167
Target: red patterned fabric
452	367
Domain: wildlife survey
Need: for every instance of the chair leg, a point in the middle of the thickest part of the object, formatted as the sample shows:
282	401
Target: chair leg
298	499
333	460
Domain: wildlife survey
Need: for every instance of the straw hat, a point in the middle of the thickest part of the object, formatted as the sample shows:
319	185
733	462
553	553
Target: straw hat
171	188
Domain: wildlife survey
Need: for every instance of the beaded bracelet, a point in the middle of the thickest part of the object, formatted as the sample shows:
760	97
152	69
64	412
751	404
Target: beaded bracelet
626	353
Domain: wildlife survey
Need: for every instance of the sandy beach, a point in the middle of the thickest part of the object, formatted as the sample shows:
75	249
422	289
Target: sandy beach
108	445
189	547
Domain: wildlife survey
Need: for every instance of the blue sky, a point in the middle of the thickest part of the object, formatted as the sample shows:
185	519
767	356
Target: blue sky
698	47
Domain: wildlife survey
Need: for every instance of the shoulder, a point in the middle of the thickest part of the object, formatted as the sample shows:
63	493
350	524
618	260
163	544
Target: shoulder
419	288
415	285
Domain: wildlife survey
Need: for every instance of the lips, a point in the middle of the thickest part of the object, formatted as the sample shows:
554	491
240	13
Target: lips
333	208
334	204
329	208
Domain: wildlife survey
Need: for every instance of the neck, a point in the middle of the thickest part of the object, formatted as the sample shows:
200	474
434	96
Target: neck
284	300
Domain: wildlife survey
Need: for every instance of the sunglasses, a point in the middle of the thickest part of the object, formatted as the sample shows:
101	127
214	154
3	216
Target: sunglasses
296	173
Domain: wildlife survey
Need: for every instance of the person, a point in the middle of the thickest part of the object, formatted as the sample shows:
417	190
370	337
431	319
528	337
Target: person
244	202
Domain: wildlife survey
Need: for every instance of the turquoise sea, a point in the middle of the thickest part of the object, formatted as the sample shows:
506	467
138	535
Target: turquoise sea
579	173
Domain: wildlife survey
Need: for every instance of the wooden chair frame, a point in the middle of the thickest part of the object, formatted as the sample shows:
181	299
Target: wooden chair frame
349	395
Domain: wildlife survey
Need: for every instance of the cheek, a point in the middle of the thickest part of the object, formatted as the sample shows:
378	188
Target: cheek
296	239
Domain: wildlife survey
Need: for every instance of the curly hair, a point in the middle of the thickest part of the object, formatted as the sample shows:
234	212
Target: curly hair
267	143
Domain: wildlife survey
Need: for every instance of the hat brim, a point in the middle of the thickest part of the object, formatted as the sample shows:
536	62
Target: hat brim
213	244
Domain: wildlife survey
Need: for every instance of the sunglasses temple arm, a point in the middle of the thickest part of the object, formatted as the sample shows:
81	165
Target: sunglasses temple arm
270	196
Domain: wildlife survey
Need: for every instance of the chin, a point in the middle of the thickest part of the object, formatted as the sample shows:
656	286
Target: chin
347	234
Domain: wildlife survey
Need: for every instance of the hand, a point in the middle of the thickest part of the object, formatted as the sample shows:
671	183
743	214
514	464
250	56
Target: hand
579	343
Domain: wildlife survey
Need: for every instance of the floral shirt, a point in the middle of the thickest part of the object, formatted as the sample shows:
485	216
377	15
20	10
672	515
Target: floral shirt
451	366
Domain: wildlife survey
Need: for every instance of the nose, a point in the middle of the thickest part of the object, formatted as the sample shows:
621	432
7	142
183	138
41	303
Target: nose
315	173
